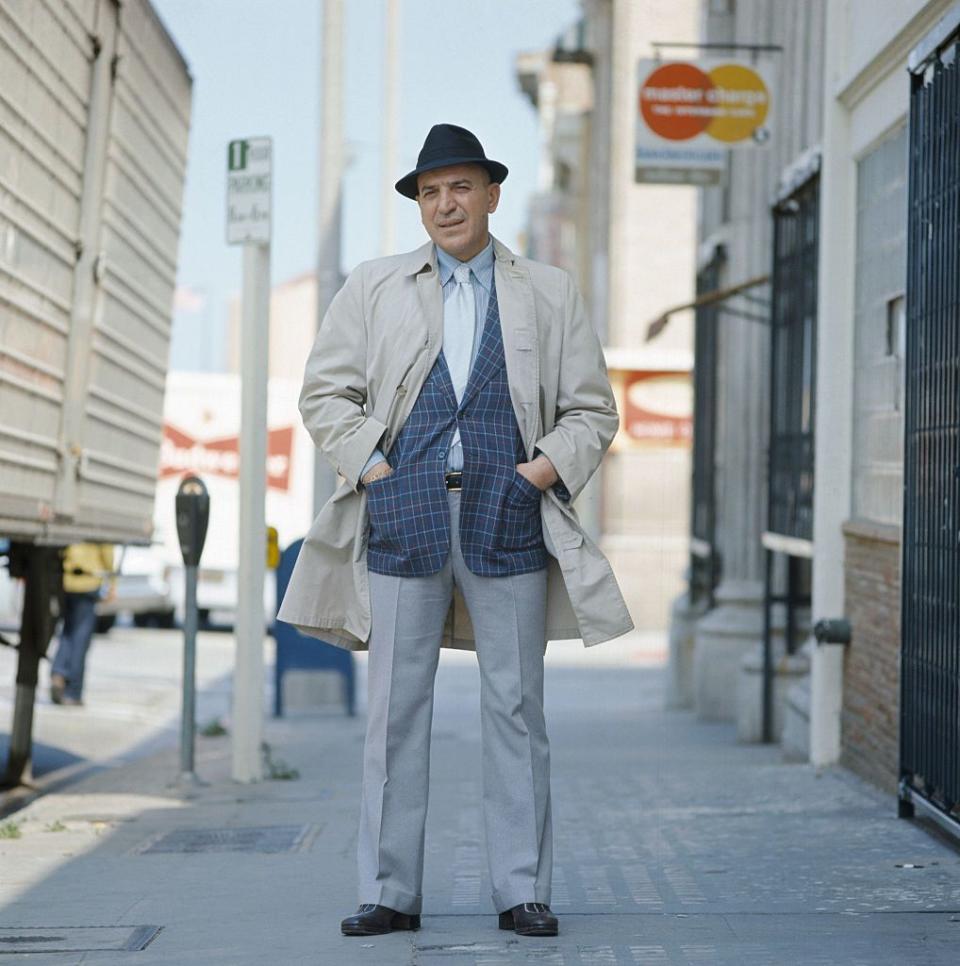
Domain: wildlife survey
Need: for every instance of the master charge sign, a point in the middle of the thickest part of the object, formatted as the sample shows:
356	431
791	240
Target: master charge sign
689	114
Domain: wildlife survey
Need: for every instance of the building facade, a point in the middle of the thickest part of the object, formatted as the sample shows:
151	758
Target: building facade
826	445
887	502
632	250
753	242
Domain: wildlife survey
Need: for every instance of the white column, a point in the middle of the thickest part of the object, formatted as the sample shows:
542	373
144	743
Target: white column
247	719
391	98
835	313
330	196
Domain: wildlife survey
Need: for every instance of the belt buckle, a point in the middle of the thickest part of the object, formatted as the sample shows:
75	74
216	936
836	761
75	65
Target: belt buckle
454	480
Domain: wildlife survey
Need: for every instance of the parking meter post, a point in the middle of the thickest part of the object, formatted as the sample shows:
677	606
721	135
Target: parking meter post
189	707
193	512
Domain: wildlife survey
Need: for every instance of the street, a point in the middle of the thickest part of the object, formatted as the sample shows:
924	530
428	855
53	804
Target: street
674	844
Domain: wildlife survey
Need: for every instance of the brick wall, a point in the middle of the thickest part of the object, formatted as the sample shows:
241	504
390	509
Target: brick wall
871	679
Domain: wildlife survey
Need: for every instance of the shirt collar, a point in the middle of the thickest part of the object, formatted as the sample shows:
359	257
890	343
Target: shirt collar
481	265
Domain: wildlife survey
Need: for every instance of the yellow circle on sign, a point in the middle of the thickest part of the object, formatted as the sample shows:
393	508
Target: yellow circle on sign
741	102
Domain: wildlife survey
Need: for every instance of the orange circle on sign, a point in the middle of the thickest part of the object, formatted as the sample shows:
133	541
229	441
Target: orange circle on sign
741	102
673	101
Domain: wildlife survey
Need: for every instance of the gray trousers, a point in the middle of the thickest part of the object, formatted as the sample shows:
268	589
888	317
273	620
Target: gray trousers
408	614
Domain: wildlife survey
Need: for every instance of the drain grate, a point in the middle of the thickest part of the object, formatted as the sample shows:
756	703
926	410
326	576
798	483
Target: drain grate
76	939
263	839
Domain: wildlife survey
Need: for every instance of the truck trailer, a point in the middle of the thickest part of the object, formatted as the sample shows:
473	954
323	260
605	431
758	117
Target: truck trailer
94	120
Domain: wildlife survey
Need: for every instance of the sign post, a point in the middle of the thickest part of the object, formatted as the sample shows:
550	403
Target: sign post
249	171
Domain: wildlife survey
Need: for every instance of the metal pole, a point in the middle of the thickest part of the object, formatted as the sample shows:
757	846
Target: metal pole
391	92
767	647
43	572
188	716
250	627
330	188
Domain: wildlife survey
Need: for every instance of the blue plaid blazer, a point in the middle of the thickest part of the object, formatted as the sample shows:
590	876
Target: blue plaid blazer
409	513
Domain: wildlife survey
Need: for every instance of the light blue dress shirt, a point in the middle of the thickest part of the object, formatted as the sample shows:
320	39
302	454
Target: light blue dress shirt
481	277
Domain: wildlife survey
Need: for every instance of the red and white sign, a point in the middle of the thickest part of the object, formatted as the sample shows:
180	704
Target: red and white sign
201	435
182	453
658	407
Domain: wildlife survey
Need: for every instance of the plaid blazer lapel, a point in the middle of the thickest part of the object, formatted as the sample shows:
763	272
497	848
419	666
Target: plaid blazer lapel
490	359
445	380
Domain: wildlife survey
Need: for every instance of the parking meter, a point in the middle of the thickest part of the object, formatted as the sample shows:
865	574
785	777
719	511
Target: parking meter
193	512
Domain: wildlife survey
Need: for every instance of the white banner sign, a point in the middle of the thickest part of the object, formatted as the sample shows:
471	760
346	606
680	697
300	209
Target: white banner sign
249	163
689	115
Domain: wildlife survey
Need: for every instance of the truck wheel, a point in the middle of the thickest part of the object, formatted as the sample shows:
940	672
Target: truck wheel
154	618
104	623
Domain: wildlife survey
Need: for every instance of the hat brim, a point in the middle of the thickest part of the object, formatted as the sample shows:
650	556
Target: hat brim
407	185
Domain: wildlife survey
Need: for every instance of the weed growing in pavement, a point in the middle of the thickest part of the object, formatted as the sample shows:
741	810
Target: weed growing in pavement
213	729
10	830
277	770
56	826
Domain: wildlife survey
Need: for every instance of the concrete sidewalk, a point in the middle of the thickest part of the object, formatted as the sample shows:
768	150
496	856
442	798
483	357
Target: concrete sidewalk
132	695
674	845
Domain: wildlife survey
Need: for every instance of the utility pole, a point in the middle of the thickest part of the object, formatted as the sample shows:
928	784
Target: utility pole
391	98
330	197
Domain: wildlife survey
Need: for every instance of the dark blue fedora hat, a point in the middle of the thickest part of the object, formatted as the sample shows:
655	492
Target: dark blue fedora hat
447	144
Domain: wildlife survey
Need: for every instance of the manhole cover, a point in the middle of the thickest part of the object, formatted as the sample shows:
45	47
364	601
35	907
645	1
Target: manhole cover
75	939
264	839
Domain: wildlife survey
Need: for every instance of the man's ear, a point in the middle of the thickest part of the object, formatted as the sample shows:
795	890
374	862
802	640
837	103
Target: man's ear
493	198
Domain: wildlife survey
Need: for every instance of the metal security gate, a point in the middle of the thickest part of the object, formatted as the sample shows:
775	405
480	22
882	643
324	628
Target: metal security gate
930	636
788	538
704	559
793	362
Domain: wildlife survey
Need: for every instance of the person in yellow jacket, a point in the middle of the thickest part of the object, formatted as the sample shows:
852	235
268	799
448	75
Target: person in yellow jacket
87	571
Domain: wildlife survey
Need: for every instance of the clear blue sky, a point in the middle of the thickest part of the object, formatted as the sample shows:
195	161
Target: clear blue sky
255	70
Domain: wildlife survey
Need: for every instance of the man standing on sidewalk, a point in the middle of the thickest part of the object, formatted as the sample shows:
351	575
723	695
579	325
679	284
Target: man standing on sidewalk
461	393
85	565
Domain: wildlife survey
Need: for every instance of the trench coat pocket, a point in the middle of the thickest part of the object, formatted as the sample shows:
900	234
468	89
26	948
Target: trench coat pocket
568	543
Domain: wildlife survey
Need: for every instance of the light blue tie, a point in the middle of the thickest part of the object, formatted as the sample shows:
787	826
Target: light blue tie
459	324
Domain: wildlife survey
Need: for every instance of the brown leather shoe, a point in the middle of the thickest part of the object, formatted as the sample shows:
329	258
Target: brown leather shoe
371	920
530	919
57	683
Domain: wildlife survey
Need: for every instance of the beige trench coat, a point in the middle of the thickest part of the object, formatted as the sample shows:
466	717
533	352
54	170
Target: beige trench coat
372	354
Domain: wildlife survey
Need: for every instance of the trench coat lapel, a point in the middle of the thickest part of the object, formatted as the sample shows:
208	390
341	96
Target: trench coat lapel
518	324
422	265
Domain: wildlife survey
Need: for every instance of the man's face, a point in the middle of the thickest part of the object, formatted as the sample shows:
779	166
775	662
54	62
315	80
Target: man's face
455	207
